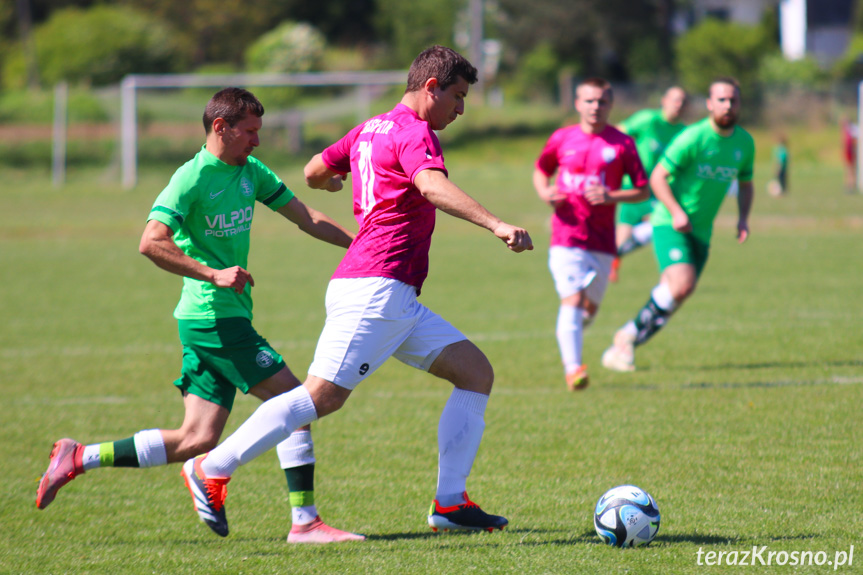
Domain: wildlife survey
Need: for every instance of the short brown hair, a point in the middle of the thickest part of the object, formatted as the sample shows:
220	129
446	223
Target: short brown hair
232	105
596	82
442	63
730	80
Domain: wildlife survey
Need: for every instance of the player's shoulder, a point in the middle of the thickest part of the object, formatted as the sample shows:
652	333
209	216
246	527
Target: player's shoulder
191	174
693	133
646	114
400	124
701	126
743	135
255	165
614	135
564	134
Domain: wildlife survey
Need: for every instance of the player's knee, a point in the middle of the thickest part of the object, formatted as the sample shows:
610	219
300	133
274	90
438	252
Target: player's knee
683	291
199	441
326	396
479	377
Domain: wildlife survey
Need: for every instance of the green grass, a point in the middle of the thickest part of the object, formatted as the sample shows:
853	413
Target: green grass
743	419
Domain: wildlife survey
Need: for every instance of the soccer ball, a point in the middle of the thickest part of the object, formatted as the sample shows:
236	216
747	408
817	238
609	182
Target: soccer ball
626	516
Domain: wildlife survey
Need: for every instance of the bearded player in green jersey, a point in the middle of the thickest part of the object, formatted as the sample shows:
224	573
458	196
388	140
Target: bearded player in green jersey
199	228
652	130
690	182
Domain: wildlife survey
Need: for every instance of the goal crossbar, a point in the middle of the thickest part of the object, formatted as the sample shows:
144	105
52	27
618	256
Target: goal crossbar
132	83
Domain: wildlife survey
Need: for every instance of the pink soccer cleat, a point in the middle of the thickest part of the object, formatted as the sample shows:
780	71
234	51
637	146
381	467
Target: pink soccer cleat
67	463
319	532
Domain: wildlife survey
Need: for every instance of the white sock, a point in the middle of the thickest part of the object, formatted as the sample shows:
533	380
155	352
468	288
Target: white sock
295	451
150	448
642	232
570	335
91	459
661	294
303	515
459	434
272	423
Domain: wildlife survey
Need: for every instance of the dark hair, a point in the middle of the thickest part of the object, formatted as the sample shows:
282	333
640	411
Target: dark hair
442	63
731	81
596	82
232	105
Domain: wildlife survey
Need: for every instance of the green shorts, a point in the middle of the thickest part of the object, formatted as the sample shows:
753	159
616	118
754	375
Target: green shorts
634	214
224	355
672	247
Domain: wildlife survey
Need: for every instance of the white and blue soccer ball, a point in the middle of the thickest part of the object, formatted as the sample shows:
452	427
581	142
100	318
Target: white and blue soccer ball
626	516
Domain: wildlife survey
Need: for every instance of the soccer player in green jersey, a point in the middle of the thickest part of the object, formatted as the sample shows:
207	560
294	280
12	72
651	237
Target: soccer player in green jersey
652	130
690	182
199	228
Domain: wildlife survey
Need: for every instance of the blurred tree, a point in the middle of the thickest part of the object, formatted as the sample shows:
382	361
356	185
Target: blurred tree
857	15
714	48
537	73
342	22
220	29
223	29
28	48
410	27
776	70
618	39
850	65
98	46
290	47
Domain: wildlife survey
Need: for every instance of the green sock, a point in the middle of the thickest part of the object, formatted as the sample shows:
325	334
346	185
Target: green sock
649	320
301	485
120	453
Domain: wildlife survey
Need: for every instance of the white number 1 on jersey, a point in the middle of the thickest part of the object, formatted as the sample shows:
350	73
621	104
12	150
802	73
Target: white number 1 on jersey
367	177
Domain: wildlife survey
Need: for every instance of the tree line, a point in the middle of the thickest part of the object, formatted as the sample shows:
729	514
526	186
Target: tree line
96	42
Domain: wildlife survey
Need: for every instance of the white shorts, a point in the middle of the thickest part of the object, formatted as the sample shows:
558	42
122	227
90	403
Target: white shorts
575	270
371	319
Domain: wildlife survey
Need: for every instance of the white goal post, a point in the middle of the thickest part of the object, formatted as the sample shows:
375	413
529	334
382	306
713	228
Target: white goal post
363	81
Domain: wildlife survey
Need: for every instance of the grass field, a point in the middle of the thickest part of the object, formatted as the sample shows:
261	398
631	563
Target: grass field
743	419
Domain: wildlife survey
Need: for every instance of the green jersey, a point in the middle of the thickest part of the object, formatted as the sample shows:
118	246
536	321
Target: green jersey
652	134
780	155
209	206
703	165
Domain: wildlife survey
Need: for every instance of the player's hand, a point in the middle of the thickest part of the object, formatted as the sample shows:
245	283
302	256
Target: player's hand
680	222
742	231
516	239
553	197
334	184
235	278
597	195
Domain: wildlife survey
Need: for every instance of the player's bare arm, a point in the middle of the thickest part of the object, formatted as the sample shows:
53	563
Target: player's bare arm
320	177
662	190
448	197
157	243
316	224
745	195
546	191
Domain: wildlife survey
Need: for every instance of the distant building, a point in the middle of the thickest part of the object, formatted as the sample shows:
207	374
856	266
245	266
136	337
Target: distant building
817	28
743	11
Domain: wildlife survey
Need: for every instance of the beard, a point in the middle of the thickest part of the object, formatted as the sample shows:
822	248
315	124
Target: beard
725	121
